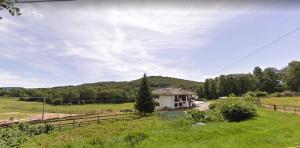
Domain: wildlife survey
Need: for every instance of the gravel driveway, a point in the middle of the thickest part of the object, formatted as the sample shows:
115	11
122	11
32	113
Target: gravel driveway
202	105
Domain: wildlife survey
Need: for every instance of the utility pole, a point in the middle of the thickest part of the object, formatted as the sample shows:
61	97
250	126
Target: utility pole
44	99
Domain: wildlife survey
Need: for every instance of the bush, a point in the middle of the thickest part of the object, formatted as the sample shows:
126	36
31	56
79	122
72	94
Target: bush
234	109
287	94
205	116
277	94
57	101
212	106
16	135
135	138
250	94
261	94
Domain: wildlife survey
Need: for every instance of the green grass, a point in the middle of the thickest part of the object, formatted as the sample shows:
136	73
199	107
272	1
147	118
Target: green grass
14	108
268	129
294	101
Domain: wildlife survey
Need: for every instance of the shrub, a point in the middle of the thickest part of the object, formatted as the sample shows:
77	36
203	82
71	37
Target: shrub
287	94
212	106
205	116
234	109
250	94
16	135
277	94
57	101
261	94
135	138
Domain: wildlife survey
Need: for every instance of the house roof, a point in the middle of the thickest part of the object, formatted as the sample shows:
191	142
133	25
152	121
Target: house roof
172	91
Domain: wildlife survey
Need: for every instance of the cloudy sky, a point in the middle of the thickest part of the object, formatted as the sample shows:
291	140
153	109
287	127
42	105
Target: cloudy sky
70	43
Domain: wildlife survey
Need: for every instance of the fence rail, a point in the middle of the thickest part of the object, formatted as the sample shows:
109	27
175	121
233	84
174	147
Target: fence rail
282	108
70	119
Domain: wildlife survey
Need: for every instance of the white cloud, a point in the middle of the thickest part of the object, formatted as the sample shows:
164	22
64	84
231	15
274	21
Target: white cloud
109	43
12	80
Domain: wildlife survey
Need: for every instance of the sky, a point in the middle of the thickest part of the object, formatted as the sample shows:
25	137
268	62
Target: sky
71	43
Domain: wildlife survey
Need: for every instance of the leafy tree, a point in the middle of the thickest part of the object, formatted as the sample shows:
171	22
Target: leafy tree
71	95
292	76
200	91
258	75
271	80
144	102
222	86
88	94
8	5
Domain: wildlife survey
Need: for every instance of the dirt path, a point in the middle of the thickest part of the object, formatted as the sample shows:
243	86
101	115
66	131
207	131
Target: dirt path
35	117
202	105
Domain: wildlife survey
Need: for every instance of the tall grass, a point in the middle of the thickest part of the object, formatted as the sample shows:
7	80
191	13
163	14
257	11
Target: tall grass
15	108
268	129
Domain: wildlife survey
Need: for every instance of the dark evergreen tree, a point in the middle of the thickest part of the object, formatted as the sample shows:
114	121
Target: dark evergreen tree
144	102
292	76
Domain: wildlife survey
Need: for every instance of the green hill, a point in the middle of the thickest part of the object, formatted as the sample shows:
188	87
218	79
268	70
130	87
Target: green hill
101	92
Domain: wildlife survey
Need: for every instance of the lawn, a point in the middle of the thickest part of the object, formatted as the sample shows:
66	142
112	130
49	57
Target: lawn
14	108
268	129
294	101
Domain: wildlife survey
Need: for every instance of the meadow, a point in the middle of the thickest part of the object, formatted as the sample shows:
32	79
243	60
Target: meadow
12	107
268	129
293	101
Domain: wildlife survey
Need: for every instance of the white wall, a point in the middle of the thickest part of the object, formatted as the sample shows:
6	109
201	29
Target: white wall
166	101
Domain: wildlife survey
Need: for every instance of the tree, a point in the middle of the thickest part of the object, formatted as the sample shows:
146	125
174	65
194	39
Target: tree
71	95
222	86
271	80
200	91
292	76
258	74
8	5
88	94
144	101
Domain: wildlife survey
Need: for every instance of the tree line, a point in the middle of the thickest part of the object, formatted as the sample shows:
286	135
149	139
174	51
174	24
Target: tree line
269	80
100	92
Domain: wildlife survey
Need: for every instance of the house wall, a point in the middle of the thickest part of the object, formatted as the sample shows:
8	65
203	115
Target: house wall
166	101
169	102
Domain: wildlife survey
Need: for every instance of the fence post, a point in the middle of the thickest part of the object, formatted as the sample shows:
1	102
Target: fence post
73	122
295	110
284	108
98	119
275	108
258	102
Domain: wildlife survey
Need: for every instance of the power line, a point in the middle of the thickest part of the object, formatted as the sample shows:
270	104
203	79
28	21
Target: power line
261	48
40	1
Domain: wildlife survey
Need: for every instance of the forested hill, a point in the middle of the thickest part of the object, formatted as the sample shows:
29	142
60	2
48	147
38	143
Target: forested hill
101	92
154	81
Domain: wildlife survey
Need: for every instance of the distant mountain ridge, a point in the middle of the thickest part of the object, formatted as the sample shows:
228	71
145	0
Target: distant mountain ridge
154	81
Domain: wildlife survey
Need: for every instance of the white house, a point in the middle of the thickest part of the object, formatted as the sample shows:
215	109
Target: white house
173	98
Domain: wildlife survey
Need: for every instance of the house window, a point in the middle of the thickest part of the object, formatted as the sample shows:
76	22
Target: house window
176	99
180	104
184	98
176	104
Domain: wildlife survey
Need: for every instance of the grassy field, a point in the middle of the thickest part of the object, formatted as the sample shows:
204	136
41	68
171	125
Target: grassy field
294	101
268	129
14	108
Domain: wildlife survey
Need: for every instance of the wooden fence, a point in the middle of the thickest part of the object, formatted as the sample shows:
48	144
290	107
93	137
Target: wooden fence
277	107
72	120
282	108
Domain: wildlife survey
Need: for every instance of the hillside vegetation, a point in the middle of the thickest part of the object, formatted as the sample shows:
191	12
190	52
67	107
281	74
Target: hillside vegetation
100	92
